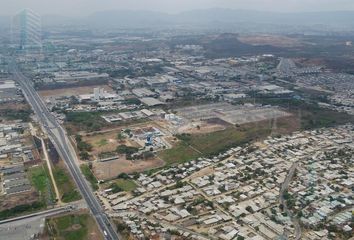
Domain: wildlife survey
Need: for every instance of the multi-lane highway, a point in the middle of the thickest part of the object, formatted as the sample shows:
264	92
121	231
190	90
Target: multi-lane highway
64	147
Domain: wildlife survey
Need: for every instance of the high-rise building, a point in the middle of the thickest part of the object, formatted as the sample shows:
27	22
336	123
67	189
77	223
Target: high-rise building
26	30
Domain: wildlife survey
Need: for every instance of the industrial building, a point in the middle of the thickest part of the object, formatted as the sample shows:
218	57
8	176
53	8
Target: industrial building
99	94
9	92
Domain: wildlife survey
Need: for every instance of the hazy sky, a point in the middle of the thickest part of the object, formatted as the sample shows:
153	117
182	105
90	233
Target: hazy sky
85	7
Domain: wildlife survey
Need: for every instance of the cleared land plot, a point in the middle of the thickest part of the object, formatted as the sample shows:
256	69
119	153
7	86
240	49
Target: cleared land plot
310	115
180	153
15	113
15	106
11	201
126	185
111	169
201	127
67	92
80	226
106	142
193	146
38	198
232	114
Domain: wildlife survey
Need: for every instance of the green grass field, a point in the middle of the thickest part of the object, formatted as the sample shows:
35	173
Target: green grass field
102	142
40	179
72	227
310	114
313	117
217	142
180	153
89	176
126	185
305	116
65	184
198	145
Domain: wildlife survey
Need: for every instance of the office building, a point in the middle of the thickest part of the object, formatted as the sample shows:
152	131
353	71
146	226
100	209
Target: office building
26	30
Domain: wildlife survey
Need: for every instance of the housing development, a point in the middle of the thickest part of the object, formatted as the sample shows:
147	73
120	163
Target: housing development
172	133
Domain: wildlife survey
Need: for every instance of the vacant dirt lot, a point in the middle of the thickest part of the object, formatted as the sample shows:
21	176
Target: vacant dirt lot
111	169
11	201
107	142
79	226
15	106
201	127
71	91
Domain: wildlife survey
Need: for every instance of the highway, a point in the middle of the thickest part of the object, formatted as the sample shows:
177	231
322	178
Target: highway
65	149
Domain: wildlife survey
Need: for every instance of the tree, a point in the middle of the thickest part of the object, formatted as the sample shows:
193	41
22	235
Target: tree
148	155
249	209
115	188
78	138
120	137
84	155
84	146
180	184
127	131
123	149
123	176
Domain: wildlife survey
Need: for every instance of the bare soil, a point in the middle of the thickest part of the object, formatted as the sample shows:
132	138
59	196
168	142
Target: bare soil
111	169
107	142
15	106
11	201
201	127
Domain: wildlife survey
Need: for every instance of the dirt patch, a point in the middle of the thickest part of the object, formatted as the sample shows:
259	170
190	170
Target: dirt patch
15	106
201	127
76	227
80	225
107	142
286	125
74	91
11	201
111	169
203	172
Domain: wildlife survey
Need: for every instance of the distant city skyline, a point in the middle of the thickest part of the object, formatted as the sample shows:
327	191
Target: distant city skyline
86	7
26	30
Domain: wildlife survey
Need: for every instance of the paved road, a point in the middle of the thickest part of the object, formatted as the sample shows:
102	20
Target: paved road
45	213
286	66
25	227
284	188
61	142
